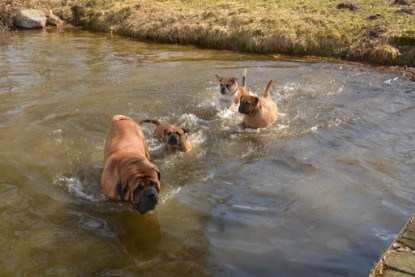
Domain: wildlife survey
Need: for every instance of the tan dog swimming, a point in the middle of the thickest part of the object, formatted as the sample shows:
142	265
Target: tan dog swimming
230	91
128	174
174	137
259	113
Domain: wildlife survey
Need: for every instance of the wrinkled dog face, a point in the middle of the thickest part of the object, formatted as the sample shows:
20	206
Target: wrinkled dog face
140	189
145	196
176	138
227	86
248	104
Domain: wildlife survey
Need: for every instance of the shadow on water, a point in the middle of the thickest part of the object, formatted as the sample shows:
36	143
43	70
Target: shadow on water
134	234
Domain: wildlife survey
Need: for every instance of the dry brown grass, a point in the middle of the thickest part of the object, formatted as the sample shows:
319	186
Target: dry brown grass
8	11
384	54
314	27
295	27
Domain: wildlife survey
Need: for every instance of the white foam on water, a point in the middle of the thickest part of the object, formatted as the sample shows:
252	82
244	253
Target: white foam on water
168	194
192	119
390	80
250	208
225	113
77	188
155	145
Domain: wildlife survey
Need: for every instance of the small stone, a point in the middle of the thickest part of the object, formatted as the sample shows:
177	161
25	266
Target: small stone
396	245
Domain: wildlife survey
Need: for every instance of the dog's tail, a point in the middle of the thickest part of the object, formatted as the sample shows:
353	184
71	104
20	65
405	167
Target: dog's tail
267	89
155	122
244	78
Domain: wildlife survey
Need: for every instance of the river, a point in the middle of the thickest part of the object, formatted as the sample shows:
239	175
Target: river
322	192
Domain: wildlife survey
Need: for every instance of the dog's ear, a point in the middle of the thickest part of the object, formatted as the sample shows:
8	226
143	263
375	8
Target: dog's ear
255	101
122	189
157	171
185	130
219	78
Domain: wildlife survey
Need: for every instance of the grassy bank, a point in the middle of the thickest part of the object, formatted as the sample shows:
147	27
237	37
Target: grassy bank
377	31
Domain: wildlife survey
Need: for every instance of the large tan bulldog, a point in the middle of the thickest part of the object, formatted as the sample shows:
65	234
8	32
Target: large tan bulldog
230	91
174	137
128	174
259	113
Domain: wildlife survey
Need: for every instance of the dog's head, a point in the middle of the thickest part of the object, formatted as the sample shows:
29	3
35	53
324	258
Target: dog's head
140	185
227	86
176	138
248	104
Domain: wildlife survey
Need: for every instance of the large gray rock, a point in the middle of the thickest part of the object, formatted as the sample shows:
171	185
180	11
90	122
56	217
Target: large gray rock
31	19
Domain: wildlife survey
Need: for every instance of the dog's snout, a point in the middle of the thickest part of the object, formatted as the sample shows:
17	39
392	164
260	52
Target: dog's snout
222	90
151	196
173	140
242	108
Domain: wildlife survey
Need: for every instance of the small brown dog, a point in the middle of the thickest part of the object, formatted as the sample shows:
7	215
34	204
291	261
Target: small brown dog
174	137
230	91
128	173
259	113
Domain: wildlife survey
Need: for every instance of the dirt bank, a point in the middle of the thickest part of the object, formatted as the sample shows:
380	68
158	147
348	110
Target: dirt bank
381	32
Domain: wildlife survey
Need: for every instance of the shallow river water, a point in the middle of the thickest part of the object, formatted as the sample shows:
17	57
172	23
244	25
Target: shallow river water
320	193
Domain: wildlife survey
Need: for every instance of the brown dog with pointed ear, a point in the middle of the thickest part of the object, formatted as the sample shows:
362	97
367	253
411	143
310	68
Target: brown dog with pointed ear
259	113
174	137
230	91
128	174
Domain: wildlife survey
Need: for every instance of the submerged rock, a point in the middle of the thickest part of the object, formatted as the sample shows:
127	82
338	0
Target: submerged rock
31	19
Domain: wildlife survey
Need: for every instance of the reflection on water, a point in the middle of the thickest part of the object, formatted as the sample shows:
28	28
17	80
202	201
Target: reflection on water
320	193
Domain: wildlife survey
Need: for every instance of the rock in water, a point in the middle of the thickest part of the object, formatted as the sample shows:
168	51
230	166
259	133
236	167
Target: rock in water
31	19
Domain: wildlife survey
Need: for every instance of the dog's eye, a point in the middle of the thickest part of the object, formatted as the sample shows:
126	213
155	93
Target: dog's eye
154	185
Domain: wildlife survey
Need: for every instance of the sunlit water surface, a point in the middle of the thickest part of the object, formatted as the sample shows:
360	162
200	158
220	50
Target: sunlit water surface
320	193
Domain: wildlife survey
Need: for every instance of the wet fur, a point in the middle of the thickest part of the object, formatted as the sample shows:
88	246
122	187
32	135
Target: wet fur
128	174
174	138
259	113
230	91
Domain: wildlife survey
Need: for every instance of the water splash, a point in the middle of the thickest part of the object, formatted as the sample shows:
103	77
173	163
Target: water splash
78	189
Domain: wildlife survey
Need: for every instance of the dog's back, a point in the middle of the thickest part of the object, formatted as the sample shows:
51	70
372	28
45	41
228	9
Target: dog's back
160	127
123	131
124	141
